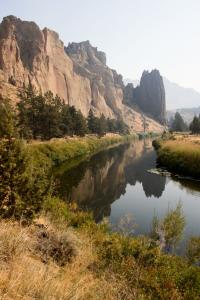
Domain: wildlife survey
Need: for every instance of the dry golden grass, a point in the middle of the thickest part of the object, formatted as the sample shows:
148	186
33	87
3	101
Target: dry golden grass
181	154
187	137
25	275
190	146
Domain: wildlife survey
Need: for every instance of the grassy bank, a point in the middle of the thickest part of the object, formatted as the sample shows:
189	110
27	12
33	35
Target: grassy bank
180	154
26	170
61	150
63	254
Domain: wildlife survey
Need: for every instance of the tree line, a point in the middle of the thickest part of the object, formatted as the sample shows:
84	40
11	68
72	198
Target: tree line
39	116
25	174
178	124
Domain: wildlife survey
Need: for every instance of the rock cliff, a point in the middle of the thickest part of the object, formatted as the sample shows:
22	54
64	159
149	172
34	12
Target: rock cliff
77	73
149	96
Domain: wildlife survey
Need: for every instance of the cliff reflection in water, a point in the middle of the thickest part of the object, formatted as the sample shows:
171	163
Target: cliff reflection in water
95	184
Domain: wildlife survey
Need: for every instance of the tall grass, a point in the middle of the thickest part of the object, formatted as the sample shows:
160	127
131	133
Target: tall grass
180	156
60	150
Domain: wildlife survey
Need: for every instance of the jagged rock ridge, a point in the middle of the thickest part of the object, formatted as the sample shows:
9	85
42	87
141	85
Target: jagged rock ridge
149	96
77	73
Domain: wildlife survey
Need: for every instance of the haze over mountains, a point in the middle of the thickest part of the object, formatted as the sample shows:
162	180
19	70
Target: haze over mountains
177	97
78	73
184	100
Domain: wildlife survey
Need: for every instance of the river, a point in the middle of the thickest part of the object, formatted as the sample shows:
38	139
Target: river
116	184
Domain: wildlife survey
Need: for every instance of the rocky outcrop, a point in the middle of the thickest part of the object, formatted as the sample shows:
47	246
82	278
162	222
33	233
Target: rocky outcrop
77	73
29	54
149	96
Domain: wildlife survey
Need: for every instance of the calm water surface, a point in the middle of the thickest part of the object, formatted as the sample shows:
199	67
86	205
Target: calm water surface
115	183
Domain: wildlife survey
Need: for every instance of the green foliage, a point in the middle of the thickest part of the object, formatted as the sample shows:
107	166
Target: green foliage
193	250
92	122
80	124
7	119
195	125
142	266
173	226
137	262
169	230
178	123
56	209
102	125
154	228
46	116
24	179
12	175
26	171
117	126
39	116
60	212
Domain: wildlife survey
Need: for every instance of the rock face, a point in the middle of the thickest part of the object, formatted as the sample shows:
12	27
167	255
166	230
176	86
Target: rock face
106	85
149	96
77	73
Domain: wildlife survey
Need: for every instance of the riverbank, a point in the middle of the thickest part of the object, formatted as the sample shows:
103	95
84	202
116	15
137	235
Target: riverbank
64	254
26	169
51	250
62	150
179	154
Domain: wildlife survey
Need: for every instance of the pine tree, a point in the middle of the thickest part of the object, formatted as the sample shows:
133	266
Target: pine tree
12	169
195	125
92	122
112	126
103	126
26	120
122	128
178	123
7	119
80	124
66	124
50	116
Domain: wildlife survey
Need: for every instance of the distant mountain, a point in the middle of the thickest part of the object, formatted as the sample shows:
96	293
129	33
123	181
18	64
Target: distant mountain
180	97
176	96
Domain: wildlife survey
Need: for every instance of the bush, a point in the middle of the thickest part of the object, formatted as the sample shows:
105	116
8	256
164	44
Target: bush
60	247
193	250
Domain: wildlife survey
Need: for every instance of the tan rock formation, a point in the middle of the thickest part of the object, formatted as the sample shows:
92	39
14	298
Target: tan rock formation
78	73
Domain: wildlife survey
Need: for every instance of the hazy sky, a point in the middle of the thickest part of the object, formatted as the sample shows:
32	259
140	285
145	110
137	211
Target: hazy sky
135	34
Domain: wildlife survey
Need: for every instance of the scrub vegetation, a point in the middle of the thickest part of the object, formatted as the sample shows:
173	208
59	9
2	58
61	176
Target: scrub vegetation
64	254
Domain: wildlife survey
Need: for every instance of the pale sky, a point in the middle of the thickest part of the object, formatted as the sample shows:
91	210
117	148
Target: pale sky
134	34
